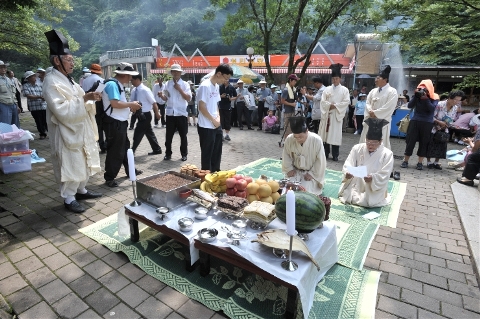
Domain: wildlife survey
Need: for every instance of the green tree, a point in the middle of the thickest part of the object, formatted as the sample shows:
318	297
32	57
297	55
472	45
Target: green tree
471	83
267	23
435	31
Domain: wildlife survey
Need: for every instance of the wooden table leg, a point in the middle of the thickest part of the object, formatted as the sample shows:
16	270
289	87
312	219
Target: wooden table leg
134	232
204	264
291	308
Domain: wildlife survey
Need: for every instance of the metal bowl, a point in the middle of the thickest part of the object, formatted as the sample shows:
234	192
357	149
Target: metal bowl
185	224
207	235
201	213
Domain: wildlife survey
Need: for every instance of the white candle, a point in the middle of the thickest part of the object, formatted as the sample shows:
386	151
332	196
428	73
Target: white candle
131	165
291	213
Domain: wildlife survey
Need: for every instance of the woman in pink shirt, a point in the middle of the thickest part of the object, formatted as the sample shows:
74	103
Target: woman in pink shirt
269	121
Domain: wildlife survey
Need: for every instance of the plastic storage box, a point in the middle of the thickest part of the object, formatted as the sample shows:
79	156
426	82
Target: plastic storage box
14	162
14	147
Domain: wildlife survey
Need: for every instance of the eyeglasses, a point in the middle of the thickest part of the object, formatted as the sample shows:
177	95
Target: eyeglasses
372	142
69	60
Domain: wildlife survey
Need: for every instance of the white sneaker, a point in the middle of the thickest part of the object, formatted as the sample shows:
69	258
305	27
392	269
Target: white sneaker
356	133
156	126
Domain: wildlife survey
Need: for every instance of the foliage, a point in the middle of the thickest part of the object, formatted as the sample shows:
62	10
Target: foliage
22	32
438	31
266	24
471	81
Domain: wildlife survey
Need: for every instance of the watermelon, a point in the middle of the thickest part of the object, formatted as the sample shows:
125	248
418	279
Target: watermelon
309	211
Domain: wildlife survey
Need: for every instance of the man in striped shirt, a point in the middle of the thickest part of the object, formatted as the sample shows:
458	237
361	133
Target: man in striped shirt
36	103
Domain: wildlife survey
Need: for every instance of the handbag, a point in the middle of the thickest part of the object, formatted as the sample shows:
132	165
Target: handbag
441	137
403	124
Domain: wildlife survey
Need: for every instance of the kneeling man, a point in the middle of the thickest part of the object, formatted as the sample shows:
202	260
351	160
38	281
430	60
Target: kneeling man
371	190
303	158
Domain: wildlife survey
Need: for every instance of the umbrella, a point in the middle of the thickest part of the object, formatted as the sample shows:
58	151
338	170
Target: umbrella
245	74
364	76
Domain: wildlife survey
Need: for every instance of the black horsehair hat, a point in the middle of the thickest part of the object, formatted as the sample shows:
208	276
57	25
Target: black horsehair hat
375	128
298	124
385	73
336	70
57	42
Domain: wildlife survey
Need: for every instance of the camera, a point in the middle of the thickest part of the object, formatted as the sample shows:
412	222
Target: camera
139	113
420	92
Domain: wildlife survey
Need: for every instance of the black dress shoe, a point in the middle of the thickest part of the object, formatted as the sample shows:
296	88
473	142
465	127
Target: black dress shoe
167	157
250	128
184	158
87	195
75	207
111	183
137	172
155	152
396	176
335	159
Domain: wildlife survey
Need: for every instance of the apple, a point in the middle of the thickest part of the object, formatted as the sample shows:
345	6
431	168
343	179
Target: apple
230	182
241	194
248	179
231	191
237	177
241	185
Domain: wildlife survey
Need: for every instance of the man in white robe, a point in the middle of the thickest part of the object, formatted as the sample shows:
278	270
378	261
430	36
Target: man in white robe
72	126
371	190
334	103
381	103
303	158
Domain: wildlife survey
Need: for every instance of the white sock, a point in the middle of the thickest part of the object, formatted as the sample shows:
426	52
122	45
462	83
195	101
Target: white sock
69	199
82	191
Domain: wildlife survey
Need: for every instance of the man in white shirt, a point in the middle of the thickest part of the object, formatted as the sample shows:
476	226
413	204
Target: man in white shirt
142	94
316	112
177	94
90	84
157	88
242	107
115	122
209	129
40	76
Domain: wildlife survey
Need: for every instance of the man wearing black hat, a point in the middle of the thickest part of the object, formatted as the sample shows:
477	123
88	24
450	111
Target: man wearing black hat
381	103
303	158
335	101
71	123
316	98
370	190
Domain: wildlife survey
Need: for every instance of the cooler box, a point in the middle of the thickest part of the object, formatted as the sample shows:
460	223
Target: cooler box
14	146
14	162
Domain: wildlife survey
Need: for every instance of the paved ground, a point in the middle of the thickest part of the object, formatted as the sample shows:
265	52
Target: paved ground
51	270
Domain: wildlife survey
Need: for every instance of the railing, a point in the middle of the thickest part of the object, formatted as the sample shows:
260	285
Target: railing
128	54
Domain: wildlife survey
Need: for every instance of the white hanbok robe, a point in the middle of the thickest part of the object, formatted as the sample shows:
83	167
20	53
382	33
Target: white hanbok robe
340	97
72	129
379	165
306	158
383	104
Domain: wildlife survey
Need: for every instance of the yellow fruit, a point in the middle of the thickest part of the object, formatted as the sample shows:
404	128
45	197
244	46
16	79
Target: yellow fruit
274	186
267	199
207	188
252	198
275	196
202	186
260	181
264	190
252	188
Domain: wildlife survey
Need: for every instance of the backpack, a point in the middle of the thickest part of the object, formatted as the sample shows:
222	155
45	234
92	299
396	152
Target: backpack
101	112
275	129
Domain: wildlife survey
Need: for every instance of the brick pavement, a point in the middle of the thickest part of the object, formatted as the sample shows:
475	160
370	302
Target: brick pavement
51	270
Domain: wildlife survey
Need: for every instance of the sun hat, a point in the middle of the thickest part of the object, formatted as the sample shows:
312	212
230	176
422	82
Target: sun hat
125	68
262	82
239	81
28	74
362	94
41	70
96	68
273	86
85	69
3	63
176	67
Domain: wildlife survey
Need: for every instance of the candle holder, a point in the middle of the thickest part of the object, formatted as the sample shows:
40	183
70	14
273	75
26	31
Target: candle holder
289	264
135	202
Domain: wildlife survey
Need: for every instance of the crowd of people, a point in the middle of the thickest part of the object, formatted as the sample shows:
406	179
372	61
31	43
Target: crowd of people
94	117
